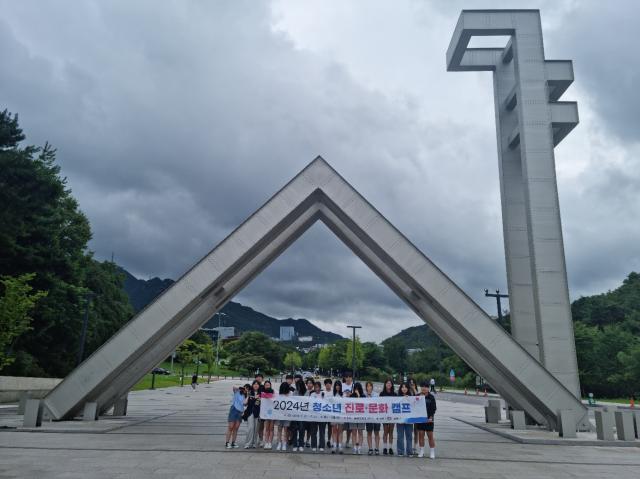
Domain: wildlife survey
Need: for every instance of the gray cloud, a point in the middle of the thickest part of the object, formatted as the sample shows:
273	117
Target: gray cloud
174	123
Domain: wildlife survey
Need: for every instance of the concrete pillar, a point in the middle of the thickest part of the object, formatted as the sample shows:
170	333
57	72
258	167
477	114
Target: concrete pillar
604	425
493	412
624	425
90	411
636	421
22	403
120	406
518	420
32	413
567	423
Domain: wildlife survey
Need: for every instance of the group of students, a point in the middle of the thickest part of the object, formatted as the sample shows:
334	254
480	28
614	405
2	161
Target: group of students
279	434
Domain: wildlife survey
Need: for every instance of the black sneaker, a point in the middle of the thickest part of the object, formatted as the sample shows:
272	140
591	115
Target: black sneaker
333	451
329	444
370	452
390	452
377	452
384	451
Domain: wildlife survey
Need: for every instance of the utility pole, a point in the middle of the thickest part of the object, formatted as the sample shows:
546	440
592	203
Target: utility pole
498	296
353	351
218	345
85	325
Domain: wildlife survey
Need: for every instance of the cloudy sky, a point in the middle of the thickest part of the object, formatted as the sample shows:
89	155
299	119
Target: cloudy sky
175	120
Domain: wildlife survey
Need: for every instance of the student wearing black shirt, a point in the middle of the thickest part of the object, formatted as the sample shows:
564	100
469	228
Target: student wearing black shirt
430	401
387	429
251	415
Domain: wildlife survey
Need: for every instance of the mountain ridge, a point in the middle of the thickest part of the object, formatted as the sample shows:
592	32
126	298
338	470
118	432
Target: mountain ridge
243	318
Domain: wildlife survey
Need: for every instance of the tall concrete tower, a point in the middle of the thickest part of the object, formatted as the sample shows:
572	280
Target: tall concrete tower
530	121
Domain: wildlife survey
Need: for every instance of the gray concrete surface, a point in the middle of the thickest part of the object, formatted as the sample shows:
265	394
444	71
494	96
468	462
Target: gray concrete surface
177	432
12	387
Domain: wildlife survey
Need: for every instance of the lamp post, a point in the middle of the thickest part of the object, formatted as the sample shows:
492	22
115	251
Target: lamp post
498	296
218	345
85	325
353	351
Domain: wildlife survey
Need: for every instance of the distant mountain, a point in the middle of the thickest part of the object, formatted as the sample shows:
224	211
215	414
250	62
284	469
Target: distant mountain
141	292
418	337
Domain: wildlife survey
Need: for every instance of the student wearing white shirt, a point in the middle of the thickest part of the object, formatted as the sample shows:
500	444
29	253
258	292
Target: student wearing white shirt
336	434
328	392
347	388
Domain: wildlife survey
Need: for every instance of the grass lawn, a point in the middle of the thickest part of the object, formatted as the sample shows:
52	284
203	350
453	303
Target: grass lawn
165	381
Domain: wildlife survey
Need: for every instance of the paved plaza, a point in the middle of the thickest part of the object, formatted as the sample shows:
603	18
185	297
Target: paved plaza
178	432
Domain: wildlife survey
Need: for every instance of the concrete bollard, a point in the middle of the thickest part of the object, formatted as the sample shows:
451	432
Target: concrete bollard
90	412
624	425
518	420
492	414
22	403
120	406
567	423
636	421
604	425
32	413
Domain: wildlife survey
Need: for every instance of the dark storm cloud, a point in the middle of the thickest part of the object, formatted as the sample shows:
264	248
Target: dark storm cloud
175	121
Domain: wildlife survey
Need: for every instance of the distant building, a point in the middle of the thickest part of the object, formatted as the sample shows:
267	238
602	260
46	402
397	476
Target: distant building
225	331
414	350
305	339
287	333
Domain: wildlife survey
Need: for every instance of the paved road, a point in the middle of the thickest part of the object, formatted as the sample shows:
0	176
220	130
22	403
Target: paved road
177	432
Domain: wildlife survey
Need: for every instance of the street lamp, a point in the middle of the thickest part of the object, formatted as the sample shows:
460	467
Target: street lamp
218	345
353	351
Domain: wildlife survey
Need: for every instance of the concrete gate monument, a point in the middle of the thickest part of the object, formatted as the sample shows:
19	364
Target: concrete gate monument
535	370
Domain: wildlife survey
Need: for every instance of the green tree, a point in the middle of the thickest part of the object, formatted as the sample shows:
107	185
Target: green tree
324	358
209	355
396	354
44	232
429	359
292	360
310	360
348	355
248	363
201	337
257	344
16	303
373	355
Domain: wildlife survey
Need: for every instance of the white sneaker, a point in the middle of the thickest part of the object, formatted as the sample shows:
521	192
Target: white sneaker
228	445
355	450
284	446
321	449
279	447
432	454
421	453
313	449
248	446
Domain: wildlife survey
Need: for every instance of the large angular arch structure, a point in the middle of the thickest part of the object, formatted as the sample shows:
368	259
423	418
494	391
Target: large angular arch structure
318	192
